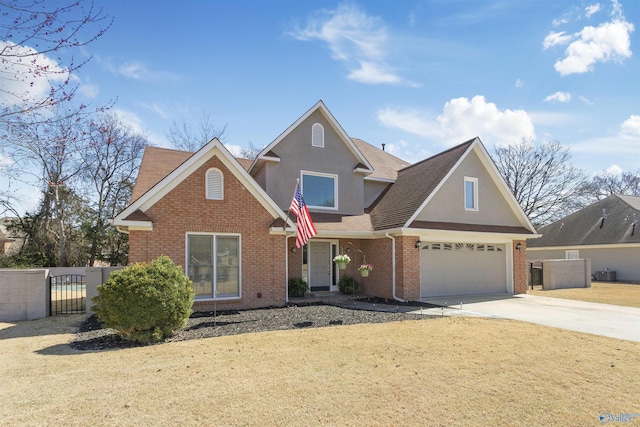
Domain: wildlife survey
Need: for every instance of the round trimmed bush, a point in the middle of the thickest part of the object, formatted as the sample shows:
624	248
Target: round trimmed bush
145	302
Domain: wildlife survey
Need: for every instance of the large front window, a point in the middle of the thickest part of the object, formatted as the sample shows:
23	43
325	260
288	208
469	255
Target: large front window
320	190
213	264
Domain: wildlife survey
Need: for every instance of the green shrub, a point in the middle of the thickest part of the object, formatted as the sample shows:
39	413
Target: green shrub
348	285
297	287
145	302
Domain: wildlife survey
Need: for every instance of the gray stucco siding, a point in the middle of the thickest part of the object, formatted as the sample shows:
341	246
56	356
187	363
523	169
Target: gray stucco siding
297	154
447	204
372	190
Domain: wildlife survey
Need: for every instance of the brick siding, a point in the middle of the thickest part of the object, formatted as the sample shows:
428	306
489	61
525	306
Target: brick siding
185	209
519	267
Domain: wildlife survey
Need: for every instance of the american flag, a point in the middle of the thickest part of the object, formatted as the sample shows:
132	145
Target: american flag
305	229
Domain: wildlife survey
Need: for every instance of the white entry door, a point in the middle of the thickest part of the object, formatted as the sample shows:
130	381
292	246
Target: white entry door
320	265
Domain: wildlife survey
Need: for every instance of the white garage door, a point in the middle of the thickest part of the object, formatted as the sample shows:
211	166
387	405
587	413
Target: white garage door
462	269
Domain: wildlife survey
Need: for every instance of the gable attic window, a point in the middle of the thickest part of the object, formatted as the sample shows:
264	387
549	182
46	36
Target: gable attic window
214	184
317	135
320	190
470	193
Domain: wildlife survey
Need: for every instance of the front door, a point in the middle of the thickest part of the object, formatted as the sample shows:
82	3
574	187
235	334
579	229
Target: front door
319	265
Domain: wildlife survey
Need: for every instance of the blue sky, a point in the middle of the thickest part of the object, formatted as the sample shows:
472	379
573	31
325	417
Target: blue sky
420	76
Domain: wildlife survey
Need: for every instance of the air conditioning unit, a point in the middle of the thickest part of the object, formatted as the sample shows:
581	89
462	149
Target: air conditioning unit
606	275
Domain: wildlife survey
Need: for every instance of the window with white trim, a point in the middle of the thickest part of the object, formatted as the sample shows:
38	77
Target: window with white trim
317	135
470	193
572	254
214	184
320	190
213	265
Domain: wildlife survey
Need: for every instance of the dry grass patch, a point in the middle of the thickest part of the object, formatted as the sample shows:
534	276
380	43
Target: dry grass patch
444	371
605	293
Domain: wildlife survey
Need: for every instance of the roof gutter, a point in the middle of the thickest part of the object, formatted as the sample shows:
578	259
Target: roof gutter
393	266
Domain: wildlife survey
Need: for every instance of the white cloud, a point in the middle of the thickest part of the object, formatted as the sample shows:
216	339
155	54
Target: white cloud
23	80
370	72
590	10
519	83
5	160
555	39
356	39
158	109
133	70
630	128
563	97
559	21
607	42
397	147
614	170
235	150
463	119
586	101
625	143
89	90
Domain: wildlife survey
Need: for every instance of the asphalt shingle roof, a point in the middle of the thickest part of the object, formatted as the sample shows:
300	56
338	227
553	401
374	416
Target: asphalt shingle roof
160	162
586	227
385	165
414	184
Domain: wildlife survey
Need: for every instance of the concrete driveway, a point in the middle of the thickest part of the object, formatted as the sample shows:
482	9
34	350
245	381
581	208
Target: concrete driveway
600	319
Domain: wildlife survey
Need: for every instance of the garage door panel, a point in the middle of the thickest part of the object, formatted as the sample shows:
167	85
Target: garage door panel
459	269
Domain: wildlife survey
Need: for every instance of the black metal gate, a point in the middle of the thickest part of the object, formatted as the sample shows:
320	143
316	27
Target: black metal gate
535	274
67	294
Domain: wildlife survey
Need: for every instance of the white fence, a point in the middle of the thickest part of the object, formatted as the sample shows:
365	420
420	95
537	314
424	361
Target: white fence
24	292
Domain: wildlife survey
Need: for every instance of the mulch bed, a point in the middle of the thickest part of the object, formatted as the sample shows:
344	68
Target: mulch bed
91	336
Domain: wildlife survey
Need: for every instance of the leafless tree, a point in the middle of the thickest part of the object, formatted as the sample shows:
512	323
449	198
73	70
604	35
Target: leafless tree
112	157
250	151
47	154
541	177
183	136
37	66
608	183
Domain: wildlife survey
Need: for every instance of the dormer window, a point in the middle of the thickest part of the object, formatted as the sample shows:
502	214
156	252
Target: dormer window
214	184
317	135
470	193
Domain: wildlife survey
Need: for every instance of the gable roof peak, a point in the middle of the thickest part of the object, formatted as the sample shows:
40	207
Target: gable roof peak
318	106
462	147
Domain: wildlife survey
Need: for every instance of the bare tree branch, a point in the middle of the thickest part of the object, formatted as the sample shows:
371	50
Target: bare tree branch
183	137
541	178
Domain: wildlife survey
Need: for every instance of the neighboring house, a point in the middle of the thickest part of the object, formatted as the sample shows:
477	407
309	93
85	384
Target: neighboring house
10	241
447	225
605	232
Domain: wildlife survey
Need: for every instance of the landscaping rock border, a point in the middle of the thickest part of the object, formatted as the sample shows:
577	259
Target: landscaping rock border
91	336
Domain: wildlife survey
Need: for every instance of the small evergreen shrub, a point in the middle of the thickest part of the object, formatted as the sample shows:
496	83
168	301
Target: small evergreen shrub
297	287
348	285
145	302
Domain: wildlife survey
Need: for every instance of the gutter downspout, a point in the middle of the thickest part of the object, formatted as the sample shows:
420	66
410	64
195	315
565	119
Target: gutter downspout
393	266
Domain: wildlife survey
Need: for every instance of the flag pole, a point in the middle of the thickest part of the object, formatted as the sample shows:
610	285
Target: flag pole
284	228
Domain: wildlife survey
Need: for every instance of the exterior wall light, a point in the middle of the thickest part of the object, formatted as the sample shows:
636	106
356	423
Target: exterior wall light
418	243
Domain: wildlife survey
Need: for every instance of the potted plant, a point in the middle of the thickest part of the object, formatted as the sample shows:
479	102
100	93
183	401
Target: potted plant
364	270
342	261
